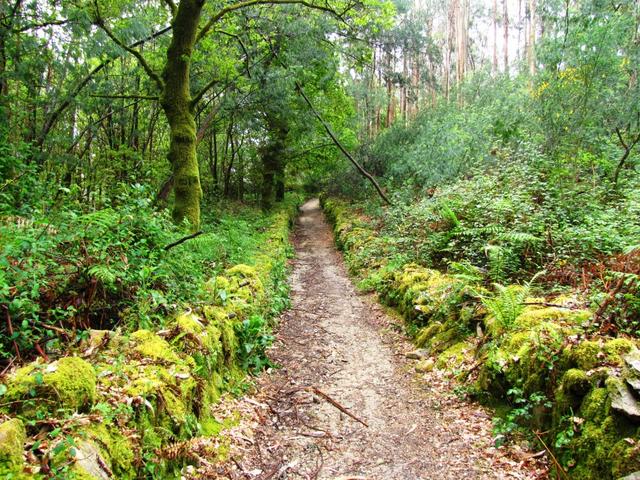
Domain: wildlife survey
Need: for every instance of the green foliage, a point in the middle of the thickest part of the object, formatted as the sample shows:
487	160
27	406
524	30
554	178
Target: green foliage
507	305
254	336
76	271
518	416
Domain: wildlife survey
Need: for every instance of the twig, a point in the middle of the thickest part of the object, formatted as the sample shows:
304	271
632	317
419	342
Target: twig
553	457
182	240
326	397
10	329
547	304
610	298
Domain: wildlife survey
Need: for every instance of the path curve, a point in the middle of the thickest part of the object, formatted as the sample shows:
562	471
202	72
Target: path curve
343	344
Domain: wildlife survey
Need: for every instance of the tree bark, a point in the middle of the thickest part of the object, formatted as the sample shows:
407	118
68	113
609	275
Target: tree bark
505	22
532	38
273	163
494	66
176	103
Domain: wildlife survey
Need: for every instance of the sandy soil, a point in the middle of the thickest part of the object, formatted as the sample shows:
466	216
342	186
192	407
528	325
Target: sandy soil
343	366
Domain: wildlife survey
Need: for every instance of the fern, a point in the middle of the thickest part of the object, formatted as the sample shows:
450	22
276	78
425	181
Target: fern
449	215
465	271
103	219
518	238
104	274
507	305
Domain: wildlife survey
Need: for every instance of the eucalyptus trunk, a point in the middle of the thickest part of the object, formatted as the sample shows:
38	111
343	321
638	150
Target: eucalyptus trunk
177	106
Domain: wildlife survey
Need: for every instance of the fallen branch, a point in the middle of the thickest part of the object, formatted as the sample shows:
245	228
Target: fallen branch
326	397
182	240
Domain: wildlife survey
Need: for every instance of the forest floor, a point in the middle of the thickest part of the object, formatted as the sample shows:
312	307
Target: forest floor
343	365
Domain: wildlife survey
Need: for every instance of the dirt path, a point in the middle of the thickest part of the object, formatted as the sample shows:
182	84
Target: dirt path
344	345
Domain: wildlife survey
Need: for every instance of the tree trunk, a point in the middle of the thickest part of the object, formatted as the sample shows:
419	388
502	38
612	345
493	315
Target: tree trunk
532	37
273	164
494	66
176	103
505	22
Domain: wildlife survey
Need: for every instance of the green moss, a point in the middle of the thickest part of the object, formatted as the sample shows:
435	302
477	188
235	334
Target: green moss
426	334
617	348
229	342
453	357
150	345
73	380
189	323
595	406
116	448
585	355
625	457
533	316
69	382
12	438
576	382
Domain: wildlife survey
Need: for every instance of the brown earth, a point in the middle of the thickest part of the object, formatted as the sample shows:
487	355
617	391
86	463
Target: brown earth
343	366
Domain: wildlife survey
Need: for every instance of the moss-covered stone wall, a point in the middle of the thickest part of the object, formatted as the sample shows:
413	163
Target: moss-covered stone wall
579	389
119	408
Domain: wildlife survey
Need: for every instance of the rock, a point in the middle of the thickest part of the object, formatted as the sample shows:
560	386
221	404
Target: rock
425	366
632	373
12	438
417	354
634	382
632	360
631	476
622	400
90	462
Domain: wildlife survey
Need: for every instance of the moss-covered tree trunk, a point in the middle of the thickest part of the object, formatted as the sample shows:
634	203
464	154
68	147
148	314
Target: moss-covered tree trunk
176	102
279	177
273	163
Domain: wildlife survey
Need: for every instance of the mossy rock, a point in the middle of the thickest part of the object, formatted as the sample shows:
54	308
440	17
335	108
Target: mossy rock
585	355
456	355
617	348
535	315
426	334
12	438
69	382
576	382
149	345
117	449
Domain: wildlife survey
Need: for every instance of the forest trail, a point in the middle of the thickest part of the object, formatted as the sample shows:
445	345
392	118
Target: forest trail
344	345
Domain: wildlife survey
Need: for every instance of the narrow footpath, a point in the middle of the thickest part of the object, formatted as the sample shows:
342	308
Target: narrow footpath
343	365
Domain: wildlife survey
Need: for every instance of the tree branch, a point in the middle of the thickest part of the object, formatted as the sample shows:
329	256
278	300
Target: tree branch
34	26
141	60
344	151
198	96
182	240
244	49
248	3
620	138
99	21
129	97
172	6
55	114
